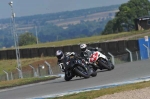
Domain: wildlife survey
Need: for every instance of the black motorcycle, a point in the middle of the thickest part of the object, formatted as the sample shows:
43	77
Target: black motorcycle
76	67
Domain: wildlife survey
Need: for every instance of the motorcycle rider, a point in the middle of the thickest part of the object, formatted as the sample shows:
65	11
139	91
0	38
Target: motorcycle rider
87	51
63	58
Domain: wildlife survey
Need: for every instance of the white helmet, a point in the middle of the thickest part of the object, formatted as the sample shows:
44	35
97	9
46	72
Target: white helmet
59	54
83	47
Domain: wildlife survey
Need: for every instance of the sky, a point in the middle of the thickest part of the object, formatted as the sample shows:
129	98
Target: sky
33	7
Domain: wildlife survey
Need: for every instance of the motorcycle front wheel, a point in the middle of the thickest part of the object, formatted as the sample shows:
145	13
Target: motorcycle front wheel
68	75
94	73
106	64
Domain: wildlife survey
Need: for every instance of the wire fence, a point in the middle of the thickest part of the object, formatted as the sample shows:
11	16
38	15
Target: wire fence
38	71
46	69
119	59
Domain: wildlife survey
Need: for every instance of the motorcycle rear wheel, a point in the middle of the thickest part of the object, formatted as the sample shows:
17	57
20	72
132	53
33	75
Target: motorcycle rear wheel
81	71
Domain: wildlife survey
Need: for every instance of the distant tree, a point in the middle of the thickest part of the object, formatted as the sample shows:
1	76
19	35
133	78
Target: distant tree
124	19
50	33
27	39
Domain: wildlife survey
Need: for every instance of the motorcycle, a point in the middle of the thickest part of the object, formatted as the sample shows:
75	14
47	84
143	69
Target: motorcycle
100	61
76	67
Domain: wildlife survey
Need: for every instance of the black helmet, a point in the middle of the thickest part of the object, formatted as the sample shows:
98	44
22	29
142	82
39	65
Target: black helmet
83	47
59	54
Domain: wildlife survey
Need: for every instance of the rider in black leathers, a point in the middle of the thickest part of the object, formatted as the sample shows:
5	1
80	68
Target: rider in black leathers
63	58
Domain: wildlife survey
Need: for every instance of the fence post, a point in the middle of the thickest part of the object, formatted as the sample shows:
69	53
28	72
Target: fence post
37	71
147	50
12	76
113	58
49	67
34	71
137	56
6	74
131	58
20	73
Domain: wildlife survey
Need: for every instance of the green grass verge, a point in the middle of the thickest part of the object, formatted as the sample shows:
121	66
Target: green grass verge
24	81
93	39
98	93
11	64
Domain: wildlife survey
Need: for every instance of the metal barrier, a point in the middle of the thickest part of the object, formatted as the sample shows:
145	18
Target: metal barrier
116	48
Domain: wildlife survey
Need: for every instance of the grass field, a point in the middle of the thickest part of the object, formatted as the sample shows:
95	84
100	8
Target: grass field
19	82
105	91
93	39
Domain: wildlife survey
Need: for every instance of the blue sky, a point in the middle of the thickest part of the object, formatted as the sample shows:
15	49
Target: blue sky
32	7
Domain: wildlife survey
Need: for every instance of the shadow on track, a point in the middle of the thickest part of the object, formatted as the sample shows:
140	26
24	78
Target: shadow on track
75	79
104	70
61	80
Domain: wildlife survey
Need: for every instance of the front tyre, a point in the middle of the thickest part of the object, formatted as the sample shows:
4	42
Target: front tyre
112	66
106	64
94	73
68	75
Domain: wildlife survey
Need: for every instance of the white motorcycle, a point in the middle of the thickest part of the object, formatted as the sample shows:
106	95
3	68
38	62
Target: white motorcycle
100	61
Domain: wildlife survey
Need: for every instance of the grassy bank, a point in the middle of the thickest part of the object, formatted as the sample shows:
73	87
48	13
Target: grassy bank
100	38
11	64
24	81
93	39
102	92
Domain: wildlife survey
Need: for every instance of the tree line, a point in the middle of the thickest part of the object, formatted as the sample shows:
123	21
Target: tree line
124	19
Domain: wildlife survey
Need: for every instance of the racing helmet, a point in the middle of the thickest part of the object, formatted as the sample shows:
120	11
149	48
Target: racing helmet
83	47
59	54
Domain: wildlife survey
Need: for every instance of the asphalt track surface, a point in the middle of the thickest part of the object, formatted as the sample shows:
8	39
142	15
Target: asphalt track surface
121	73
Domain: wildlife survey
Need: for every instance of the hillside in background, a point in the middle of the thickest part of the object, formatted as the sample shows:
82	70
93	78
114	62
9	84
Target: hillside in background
59	26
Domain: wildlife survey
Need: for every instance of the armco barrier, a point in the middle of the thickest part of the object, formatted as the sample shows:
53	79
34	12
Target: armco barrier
11	54
34	52
132	45
115	48
25	53
93	45
112	48
103	46
76	48
68	48
42	51
121	47
50	51
3	54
